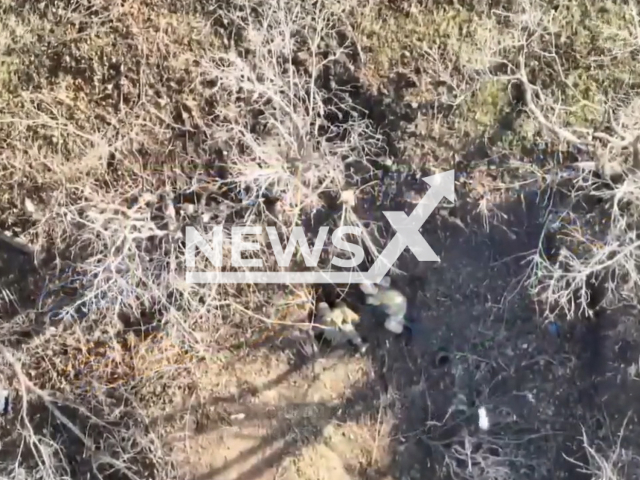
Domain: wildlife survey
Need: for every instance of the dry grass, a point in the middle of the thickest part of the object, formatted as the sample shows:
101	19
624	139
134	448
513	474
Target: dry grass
122	109
123	122
610	462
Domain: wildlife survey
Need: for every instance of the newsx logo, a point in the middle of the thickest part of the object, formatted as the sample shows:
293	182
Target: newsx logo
407	235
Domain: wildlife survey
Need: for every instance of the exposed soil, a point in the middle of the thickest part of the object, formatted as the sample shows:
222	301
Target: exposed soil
540	388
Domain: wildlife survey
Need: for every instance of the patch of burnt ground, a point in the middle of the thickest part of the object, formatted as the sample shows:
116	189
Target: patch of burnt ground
477	341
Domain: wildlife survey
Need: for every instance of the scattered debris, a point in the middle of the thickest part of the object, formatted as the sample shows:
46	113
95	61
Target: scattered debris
554	328
5	401
483	418
348	197
442	358
32	210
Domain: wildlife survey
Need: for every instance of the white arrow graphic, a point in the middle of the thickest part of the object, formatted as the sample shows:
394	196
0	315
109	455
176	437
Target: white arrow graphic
442	185
408	228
